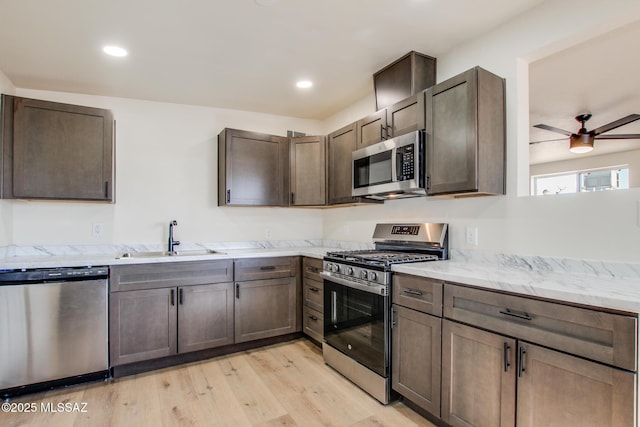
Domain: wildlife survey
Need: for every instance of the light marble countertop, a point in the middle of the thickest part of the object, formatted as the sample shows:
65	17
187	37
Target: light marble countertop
55	261
594	283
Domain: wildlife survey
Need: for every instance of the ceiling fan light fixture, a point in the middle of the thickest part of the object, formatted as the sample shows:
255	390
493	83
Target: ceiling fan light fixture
580	144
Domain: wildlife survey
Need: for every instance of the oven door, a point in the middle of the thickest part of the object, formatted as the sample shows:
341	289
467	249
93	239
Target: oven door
356	322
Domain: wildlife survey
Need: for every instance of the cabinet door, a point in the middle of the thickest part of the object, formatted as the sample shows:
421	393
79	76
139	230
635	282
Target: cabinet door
142	325
205	316
265	308
253	169
478	377
308	171
61	151
465	126
451	125
372	129
416	357
555	389
406	116
341	144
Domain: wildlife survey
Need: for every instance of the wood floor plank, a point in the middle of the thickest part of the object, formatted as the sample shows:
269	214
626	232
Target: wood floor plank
220	406
281	385
257	401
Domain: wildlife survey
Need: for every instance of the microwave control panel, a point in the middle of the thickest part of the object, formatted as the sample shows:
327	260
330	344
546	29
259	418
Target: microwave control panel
405	158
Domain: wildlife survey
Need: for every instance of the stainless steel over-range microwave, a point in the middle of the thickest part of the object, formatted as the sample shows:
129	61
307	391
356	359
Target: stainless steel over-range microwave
393	168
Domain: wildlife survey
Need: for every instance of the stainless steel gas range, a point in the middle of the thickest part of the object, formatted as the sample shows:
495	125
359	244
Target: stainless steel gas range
357	301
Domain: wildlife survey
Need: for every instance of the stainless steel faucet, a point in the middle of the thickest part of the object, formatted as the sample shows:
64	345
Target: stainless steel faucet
172	243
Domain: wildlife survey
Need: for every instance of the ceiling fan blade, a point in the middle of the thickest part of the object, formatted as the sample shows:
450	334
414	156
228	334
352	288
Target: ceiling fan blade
616	124
620	136
552	129
547	140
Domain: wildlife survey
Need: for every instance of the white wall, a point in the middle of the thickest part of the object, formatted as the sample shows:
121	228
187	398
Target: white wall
166	163
591	226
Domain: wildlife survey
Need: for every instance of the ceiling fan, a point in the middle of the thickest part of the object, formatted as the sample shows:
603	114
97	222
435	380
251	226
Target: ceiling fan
582	142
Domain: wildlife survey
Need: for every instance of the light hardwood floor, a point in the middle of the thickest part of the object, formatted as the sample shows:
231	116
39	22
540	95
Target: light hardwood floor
281	385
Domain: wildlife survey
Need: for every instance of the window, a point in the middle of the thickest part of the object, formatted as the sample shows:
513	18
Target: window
580	181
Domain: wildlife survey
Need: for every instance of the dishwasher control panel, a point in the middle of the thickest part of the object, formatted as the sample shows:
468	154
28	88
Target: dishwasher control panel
52	274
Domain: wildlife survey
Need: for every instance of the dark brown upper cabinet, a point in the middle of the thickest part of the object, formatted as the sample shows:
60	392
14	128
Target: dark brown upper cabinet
371	129
398	119
341	144
308	171
56	151
253	169
465	126
406	116
403	78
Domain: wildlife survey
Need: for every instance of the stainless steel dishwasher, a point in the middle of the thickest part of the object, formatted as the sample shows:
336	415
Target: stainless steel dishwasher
53	327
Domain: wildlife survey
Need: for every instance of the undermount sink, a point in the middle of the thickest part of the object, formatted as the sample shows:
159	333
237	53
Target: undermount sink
159	254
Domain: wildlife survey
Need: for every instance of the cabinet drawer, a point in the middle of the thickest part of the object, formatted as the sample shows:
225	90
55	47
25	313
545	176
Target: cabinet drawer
311	268
418	293
168	274
602	336
313	292
265	268
313	323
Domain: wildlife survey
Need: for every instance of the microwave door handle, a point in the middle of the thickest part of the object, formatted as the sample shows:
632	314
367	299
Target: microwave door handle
394	165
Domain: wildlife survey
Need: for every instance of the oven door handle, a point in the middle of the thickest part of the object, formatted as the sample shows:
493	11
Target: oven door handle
372	289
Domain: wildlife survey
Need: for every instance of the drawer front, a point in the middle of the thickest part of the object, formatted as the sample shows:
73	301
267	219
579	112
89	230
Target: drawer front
419	293
311	268
265	268
313	323
168	274
313	292
597	335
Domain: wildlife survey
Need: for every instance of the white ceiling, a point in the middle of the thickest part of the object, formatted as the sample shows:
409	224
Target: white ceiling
234	53
600	76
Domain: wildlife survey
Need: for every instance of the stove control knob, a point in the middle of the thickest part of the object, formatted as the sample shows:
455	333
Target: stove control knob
330	267
364	274
349	271
338	268
372	275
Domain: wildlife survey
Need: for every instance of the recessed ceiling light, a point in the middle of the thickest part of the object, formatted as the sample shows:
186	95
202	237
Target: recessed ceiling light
114	51
266	2
304	84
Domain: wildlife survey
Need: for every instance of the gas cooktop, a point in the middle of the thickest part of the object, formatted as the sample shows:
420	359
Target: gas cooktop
378	258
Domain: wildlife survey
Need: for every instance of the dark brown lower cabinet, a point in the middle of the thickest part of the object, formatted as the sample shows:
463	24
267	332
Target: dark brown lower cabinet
559	390
415	371
478	377
481	371
266	308
205	316
152	323
143	325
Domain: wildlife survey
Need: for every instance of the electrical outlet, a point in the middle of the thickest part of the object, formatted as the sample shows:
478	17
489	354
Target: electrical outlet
267	233
472	236
97	229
